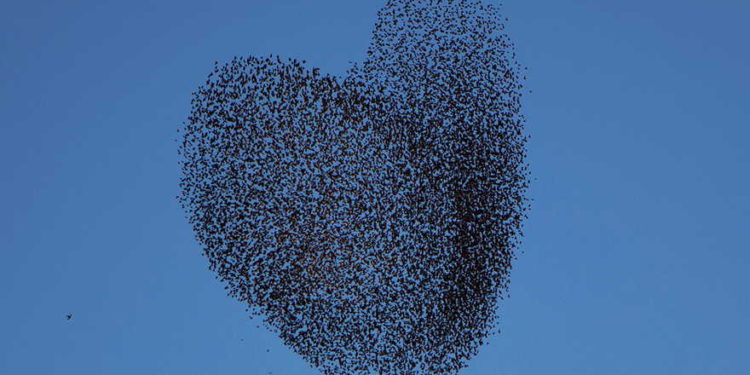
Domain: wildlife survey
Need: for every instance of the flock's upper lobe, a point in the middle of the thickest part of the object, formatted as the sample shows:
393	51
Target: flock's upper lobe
372	219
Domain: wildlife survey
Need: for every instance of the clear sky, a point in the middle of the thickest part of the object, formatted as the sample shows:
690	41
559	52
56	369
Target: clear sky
636	252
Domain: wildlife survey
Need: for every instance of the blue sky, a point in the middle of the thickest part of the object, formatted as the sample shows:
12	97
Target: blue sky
636	253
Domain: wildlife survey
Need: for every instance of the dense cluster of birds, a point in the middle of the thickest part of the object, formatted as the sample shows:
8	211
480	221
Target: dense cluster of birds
372	219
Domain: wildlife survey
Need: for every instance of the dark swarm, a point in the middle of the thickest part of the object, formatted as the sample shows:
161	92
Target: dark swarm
371	219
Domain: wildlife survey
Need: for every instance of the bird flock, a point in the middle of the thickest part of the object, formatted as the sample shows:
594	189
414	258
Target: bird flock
371	219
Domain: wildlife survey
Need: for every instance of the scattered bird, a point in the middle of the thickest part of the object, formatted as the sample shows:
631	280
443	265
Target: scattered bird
373	219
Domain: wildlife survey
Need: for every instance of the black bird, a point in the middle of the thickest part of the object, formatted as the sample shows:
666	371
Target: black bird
69	316
373	219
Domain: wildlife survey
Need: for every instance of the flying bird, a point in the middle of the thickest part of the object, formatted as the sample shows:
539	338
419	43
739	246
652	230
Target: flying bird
372	219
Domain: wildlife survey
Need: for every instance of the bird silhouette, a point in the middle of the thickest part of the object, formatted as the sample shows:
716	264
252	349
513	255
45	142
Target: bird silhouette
373	218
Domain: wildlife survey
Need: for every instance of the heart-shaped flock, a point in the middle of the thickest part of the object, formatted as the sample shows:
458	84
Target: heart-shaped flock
372	219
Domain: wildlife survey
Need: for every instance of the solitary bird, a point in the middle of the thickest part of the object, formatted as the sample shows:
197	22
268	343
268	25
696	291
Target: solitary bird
69	316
